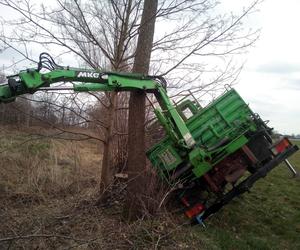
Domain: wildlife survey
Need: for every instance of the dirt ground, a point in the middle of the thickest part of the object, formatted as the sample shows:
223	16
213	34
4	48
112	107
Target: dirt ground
49	199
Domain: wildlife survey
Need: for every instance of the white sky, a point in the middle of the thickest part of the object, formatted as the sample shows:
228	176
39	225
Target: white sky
270	81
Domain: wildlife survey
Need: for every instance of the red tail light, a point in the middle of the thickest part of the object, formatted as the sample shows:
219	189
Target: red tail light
281	146
195	210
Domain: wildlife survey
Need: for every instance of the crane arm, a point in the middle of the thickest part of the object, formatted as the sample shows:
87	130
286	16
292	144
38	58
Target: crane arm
33	80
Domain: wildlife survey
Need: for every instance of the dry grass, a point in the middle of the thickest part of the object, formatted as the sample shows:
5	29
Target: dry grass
40	180
45	166
49	200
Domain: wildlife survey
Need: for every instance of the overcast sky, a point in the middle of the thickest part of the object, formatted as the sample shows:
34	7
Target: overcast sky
270	80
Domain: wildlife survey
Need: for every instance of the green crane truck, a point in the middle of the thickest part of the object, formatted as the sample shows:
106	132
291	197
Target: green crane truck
209	157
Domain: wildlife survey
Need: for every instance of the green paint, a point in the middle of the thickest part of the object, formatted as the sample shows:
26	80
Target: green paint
192	141
31	80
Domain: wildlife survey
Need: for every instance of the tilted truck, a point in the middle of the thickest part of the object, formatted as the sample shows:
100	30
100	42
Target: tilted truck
210	154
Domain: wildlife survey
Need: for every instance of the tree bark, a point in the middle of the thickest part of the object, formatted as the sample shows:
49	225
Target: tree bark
136	141
107	170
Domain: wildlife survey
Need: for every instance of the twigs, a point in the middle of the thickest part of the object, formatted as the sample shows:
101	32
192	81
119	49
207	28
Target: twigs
80	242
31	236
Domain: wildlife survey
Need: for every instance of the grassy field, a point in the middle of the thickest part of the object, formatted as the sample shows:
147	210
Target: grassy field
48	200
266	218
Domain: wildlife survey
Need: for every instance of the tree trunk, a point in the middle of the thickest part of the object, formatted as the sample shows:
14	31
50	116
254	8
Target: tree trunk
136	130
107	170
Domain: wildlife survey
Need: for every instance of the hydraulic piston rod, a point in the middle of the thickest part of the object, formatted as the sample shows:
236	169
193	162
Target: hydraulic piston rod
291	168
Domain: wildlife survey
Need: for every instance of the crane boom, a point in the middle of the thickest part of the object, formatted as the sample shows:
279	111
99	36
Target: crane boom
33	80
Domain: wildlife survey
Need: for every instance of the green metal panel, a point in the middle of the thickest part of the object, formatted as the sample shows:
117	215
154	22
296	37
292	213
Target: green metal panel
165	157
227	118
5	93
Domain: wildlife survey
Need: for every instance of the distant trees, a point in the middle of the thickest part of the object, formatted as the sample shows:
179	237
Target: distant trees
14	114
294	136
2	78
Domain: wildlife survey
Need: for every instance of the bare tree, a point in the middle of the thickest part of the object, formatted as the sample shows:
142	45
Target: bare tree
103	35
105	43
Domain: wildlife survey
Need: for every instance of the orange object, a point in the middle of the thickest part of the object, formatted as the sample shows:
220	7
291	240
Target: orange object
195	210
282	145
